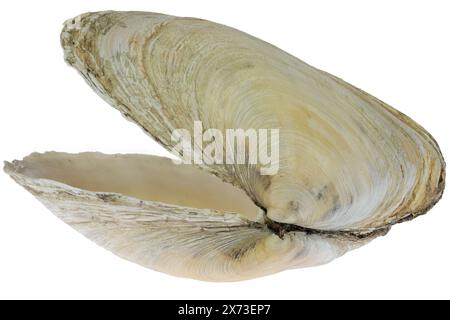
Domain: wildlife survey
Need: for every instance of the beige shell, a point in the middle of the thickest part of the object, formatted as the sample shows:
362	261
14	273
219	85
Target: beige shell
350	166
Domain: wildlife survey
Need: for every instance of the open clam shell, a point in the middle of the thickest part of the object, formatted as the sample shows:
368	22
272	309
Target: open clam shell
350	166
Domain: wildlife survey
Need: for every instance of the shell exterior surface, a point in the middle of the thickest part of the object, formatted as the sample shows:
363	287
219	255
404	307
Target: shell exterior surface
347	160
350	166
200	243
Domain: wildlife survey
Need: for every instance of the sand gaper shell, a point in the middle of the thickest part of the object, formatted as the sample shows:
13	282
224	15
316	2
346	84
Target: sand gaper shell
350	166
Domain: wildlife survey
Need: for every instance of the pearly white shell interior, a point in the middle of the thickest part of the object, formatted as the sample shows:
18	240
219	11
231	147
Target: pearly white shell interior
142	177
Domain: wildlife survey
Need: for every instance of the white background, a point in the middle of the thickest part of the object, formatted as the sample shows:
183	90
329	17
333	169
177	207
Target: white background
398	51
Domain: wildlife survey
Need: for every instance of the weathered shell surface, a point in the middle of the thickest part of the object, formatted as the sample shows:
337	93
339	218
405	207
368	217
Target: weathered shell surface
166	232
350	165
347	160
